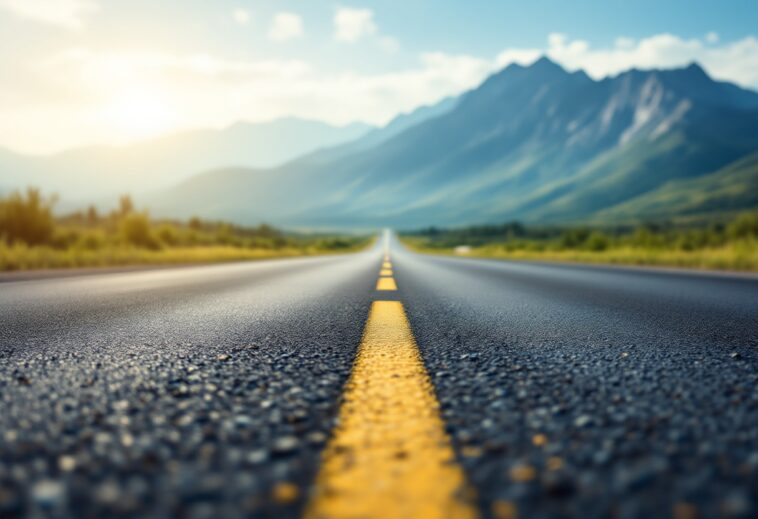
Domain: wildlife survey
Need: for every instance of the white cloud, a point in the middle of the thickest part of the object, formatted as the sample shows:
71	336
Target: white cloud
389	44
241	16
556	39
206	90
623	42
712	37
203	90
105	69
519	56
286	26
69	14
736	61
351	24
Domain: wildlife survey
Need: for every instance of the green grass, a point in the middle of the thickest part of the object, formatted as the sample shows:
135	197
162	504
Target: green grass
724	245
742	256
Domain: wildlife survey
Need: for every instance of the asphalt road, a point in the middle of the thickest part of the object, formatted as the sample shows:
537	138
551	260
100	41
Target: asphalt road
212	391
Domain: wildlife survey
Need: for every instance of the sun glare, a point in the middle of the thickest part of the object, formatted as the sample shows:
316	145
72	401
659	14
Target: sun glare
138	113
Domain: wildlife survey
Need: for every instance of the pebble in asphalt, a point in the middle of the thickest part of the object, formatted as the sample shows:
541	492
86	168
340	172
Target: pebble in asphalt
211	391
201	393
593	393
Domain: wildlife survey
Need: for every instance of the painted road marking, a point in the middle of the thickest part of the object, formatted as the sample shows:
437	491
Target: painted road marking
386	284
386	265
389	456
385	272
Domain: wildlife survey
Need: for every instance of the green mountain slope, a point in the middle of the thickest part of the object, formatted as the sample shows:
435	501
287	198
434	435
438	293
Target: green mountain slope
732	188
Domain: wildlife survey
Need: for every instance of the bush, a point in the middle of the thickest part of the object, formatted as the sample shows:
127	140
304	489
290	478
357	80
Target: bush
195	223
27	219
63	238
646	237
335	244
90	241
168	235
573	238
125	206
93	218
135	230
745	225
597	242
225	235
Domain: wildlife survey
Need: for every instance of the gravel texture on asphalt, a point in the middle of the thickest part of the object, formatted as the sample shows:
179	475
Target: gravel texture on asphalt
211	391
197	392
593	392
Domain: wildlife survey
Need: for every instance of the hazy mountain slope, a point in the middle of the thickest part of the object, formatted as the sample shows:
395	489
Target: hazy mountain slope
404	121
159	163
377	136
246	194
535	143
10	165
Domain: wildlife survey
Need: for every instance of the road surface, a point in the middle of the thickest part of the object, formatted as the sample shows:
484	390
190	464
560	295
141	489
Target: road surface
540	390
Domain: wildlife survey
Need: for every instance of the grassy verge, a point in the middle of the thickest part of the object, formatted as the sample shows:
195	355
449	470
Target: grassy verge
742	257
32	237
20	256
723	245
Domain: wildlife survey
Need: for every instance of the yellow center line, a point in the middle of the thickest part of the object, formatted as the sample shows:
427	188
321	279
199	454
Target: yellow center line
386	284
386	265
385	272
389	456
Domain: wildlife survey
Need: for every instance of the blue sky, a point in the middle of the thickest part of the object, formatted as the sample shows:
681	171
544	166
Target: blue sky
75	72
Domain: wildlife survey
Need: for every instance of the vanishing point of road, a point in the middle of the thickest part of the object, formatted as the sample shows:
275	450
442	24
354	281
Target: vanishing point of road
380	384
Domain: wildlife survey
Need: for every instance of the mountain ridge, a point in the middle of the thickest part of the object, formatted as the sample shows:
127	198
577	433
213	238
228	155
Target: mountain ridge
525	144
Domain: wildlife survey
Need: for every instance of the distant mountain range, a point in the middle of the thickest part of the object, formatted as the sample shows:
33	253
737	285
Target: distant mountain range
98	171
537	144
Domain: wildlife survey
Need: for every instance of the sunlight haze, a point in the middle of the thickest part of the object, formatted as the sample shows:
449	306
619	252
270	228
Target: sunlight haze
81	72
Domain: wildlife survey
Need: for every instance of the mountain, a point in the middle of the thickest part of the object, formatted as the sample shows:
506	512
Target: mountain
404	121
534	143
732	188
94	172
380	135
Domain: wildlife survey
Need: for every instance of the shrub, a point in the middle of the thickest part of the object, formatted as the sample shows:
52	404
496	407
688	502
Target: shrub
125	205
745	225
597	242
135	230
646	237
90	241
167	235
27	219
335	243
92	215
224	234
572	238
195	223
63	238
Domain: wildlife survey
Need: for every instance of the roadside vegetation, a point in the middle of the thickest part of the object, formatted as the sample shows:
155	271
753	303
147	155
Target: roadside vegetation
727	245
33	237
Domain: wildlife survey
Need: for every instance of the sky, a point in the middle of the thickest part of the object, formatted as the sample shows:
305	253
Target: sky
85	72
